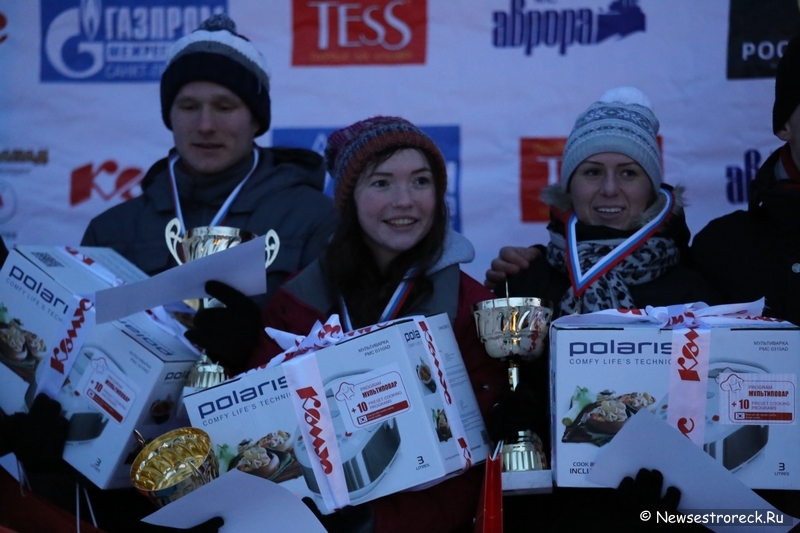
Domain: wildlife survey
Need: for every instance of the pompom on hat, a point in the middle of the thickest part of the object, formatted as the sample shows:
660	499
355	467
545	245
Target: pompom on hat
787	85
350	150
622	121
215	52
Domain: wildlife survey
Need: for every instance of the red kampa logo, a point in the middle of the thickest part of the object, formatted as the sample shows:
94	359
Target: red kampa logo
87	179
375	32
62	352
312	416
540	165
3	24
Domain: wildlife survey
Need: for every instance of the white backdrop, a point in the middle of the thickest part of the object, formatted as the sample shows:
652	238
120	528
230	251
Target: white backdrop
74	142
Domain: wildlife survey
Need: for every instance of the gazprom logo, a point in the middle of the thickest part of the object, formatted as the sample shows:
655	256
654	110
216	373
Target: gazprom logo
561	28
115	40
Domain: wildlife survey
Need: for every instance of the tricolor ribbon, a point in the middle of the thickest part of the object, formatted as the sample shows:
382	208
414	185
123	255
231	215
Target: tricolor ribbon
392	308
219	218
582	280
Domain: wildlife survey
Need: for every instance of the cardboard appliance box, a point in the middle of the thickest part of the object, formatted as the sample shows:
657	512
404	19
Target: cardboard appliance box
751	410
128	374
387	406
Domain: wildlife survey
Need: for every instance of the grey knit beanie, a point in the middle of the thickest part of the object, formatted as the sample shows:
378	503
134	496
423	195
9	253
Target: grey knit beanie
215	52
622	121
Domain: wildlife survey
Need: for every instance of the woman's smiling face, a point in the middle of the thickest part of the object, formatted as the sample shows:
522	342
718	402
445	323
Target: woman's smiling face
395	203
610	189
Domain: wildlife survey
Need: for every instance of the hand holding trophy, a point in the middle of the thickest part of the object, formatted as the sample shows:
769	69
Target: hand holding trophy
200	242
515	330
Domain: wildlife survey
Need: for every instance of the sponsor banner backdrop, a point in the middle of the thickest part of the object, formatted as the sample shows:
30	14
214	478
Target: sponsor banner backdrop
496	83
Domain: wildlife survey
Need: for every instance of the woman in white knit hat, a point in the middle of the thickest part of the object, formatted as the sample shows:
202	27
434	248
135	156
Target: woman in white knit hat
618	239
617	232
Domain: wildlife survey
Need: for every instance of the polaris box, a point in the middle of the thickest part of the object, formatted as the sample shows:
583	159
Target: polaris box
390	418
127	374
602	375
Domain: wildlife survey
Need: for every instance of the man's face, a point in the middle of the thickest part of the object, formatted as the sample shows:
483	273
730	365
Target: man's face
212	128
791	134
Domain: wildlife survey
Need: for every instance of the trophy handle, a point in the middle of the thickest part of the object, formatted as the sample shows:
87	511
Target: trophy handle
272	244
172	234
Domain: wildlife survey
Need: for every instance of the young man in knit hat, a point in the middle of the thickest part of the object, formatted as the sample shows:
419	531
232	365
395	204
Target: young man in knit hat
751	254
215	99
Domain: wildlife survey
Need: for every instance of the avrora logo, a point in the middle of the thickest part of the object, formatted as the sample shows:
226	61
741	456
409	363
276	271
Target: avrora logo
737	188
521	28
115	40
447	138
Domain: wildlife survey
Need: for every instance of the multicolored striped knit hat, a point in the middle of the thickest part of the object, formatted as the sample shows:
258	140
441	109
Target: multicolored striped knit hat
350	150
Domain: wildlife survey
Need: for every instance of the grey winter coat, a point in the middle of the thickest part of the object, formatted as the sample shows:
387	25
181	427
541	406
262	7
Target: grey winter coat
284	193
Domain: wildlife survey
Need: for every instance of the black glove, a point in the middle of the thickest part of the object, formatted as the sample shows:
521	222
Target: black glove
634	496
228	334
351	519
644	492
37	438
209	526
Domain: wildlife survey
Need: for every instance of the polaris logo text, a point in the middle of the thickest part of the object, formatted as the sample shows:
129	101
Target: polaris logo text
620	348
236	397
529	29
32	284
139	334
411	335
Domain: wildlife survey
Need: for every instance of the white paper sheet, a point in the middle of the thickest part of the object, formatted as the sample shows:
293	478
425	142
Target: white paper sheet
241	267
646	441
246	502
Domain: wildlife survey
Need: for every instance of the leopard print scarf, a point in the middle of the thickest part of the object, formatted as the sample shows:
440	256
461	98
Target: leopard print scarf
647	262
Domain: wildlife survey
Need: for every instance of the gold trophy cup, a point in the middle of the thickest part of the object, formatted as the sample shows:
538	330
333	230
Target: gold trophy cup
174	465
515	330
200	242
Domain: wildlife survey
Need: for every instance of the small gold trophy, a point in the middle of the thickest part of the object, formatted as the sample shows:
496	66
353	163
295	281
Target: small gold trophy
174	464
200	242
515	330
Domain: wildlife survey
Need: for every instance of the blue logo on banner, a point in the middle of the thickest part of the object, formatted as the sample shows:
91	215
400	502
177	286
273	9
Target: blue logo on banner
115	40
561	29
739	178
447	138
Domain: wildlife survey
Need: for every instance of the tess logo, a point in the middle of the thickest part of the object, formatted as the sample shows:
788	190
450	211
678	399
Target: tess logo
87	179
372	32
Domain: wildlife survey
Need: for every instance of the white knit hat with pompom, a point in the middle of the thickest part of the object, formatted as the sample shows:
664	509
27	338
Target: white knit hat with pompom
621	121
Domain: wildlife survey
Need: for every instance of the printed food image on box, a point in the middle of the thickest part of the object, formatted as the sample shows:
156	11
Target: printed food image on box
271	457
597	417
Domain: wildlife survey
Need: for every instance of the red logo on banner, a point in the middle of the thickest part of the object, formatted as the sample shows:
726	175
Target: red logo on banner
371	32
540	165
3	24
84	180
